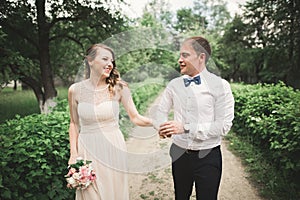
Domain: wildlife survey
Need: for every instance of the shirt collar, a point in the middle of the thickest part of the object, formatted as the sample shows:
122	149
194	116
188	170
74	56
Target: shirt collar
201	74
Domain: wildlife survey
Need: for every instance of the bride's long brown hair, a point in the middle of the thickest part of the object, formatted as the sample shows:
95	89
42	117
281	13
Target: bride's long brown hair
114	77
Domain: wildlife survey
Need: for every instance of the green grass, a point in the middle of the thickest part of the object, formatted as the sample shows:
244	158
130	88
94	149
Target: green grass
263	175
21	102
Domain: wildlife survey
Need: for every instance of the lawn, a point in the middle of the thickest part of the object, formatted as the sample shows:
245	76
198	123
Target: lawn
21	102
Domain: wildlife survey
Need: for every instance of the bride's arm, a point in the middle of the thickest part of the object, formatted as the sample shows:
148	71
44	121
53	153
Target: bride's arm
74	124
130	108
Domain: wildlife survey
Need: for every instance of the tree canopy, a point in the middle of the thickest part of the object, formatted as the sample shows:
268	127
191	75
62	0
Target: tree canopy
42	39
263	44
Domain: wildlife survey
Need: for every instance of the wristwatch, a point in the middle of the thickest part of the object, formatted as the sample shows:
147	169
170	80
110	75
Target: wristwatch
186	128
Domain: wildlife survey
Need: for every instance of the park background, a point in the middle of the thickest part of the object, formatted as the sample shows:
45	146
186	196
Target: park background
42	45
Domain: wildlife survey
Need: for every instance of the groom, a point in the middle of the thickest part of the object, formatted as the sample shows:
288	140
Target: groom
203	108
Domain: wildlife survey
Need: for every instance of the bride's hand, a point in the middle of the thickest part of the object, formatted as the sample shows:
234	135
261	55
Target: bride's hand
72	159
170	128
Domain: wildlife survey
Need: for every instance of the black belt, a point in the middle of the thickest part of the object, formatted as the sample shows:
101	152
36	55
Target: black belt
190	151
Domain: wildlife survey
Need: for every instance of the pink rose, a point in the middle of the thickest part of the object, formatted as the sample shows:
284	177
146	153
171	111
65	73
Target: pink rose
84	171
71	171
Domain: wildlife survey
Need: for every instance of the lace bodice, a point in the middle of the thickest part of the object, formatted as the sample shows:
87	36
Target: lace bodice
96	108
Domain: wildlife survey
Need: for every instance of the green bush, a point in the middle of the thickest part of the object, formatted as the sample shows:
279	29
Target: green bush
145	94
269	117
34	156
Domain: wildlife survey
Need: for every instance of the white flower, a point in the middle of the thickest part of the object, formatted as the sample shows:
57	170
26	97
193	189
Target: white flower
71	180
76	176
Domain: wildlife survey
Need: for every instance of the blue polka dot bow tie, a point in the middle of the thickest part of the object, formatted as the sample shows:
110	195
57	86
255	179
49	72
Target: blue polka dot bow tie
196	79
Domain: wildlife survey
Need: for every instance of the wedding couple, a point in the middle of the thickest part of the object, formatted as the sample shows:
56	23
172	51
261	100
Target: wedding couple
203	107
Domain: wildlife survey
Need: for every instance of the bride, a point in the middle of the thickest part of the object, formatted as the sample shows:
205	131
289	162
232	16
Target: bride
94	131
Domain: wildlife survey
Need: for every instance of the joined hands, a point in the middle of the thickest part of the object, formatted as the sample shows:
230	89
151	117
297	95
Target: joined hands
169	128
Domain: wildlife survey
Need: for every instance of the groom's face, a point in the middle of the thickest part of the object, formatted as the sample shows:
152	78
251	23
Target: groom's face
189	61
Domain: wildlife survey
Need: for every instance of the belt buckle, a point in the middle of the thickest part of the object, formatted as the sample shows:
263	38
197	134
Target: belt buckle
189	151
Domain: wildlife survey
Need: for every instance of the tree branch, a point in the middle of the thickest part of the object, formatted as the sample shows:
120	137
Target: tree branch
68	37
31	82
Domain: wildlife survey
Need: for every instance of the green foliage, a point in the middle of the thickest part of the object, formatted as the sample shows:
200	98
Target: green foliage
41	40
234	52
156	15
189	21
206	15
150	71
268	117
34	156
80	163
145	94
263	44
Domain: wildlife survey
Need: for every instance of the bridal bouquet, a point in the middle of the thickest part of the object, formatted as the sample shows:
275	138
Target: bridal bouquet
80	175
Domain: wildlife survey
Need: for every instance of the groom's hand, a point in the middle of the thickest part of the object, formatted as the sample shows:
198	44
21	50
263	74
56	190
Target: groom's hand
169	128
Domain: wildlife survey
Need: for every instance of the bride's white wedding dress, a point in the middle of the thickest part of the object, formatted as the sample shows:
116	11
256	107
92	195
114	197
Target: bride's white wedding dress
101	141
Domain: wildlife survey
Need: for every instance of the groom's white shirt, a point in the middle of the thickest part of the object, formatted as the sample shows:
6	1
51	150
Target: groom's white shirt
208	109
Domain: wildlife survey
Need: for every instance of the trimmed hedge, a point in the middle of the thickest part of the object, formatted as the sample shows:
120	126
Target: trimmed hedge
145	94
269	117
34	157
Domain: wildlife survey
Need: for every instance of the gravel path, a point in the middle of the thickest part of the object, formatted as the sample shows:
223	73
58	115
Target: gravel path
151	176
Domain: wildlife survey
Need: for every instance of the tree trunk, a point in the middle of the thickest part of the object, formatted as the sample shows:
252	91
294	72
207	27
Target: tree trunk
15	85
236	69
36	87
292	77
44	56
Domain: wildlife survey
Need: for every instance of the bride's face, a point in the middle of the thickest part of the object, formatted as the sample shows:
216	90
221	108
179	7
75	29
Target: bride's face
102	64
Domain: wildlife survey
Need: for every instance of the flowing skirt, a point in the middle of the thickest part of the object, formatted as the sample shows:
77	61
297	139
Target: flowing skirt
106	148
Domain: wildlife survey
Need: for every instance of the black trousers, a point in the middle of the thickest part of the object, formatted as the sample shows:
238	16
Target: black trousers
204	168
